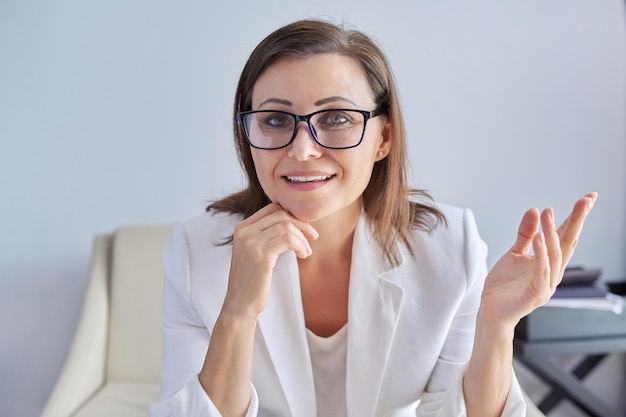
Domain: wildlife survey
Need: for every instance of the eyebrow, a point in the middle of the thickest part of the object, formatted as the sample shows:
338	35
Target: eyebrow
333	99
276	100
317	103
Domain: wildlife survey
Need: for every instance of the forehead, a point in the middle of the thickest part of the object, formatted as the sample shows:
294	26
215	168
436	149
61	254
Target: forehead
313	78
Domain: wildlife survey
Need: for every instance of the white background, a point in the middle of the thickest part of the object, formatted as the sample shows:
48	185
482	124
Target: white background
119	112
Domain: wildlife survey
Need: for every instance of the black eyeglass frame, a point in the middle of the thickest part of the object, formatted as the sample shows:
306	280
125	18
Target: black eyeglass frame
307	118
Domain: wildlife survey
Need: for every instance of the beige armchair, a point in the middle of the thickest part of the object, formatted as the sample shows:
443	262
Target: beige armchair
114	362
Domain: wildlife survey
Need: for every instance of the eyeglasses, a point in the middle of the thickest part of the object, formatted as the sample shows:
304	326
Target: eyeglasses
332	128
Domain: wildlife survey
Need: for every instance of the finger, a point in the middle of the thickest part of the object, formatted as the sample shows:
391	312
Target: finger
553	246
542	268
307	229
280	216
286	236
270	215
281	226
587	201
268	224
263	212
262	247
570	229
527	230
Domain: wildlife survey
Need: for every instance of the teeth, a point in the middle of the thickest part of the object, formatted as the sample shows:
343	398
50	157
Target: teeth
308	179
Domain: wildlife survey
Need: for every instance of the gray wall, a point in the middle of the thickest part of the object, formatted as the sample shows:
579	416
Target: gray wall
118	112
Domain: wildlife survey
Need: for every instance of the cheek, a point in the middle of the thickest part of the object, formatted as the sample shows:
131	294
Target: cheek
359	170
264	165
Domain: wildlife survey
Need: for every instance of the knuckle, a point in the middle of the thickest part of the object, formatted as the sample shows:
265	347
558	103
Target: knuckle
290	240
569	242
551	290
285	225
239	230
544	292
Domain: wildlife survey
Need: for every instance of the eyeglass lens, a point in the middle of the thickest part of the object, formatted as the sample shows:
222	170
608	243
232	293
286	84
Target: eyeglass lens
331	128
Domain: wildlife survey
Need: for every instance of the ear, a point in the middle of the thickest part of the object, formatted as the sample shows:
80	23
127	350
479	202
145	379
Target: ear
385	145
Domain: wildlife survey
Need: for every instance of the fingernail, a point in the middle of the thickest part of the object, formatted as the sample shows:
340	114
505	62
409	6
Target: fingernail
592	200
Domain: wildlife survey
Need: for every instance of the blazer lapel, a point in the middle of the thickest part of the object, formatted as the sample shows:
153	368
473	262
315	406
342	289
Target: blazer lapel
373	314
282	327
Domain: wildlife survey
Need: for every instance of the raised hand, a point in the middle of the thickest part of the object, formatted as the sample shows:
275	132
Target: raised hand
257	243
522	280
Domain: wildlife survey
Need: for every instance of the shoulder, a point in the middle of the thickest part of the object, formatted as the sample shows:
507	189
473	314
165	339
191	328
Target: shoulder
196	260
460	225
453	246
200	238
452	213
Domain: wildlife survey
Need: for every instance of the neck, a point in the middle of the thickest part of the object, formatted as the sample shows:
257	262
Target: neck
335	234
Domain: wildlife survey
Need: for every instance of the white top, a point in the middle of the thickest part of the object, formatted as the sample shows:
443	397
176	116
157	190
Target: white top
328	358
410	335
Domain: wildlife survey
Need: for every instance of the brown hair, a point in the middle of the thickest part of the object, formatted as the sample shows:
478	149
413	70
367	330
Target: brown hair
391	208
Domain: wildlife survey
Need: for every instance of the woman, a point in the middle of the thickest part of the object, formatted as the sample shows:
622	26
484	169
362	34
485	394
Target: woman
327	287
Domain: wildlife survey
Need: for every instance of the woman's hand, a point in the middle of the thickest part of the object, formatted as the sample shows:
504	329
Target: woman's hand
257	243
521	281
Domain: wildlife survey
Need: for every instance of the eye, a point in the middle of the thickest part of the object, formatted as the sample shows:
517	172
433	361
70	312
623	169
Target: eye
278	121
337	119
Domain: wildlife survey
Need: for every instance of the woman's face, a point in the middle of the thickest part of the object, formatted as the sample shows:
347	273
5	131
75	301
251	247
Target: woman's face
306	179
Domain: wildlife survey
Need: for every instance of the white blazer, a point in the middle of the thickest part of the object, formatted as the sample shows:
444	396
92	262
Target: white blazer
410	327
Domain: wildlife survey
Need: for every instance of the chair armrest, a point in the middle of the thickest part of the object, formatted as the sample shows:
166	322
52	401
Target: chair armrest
84	370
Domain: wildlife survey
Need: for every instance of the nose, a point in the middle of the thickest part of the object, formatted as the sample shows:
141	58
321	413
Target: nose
303	146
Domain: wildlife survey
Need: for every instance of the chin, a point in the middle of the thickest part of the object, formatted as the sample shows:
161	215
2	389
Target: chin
306	213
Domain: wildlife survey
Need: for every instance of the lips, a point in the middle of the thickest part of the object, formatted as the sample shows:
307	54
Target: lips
307	178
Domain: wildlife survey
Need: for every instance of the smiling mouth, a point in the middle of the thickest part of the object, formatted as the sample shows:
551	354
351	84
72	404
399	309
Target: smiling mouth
303	179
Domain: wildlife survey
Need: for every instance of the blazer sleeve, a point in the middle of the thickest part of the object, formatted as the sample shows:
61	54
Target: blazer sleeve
185	340
444	396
